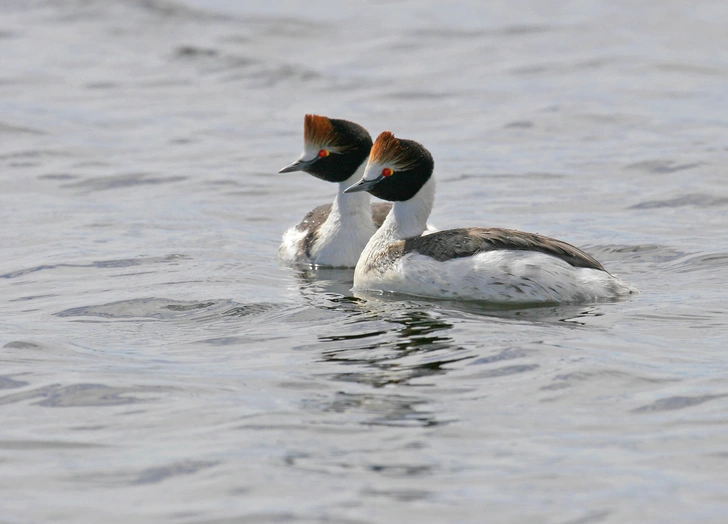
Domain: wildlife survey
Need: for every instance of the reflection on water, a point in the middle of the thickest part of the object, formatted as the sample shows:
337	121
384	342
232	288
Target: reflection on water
413	345
385	342
379	409
314	283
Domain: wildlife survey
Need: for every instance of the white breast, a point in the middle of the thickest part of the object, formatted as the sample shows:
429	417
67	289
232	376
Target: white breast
340	242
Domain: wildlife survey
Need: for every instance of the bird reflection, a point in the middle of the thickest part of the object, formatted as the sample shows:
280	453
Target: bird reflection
380	343
384	410
398	341
403	346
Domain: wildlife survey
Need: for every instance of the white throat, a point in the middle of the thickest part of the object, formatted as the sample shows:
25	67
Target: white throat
406	219
409	218
351	206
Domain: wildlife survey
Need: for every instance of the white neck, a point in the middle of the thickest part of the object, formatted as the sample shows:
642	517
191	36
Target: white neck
351	206
409	218
406	219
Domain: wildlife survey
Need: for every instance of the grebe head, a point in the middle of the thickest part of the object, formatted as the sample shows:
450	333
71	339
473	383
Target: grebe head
332	149
397	169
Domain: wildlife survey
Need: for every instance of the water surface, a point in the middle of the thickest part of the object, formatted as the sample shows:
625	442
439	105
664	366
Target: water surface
159	366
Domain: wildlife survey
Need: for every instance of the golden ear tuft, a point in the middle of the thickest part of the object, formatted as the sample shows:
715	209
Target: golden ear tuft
390	151
317	130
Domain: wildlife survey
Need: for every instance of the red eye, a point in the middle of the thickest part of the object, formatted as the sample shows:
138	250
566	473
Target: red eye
387	172
323	153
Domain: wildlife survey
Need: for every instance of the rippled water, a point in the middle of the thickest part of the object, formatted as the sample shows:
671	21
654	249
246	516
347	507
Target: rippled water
159	366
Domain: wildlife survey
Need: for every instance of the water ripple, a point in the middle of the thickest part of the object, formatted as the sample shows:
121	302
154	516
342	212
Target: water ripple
46	444
165	309
691	199
505	371
662	166
379	410
158	474
101	264
80	395
414	348
10	383
147	476
679	402
10	129
122	181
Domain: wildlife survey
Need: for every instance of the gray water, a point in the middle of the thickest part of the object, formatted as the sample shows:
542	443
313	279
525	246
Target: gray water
159	366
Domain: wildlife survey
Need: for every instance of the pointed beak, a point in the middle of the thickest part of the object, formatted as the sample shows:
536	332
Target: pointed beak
362	185
298	165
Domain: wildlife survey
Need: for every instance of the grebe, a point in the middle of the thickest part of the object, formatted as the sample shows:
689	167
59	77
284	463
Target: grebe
488	264
333	234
